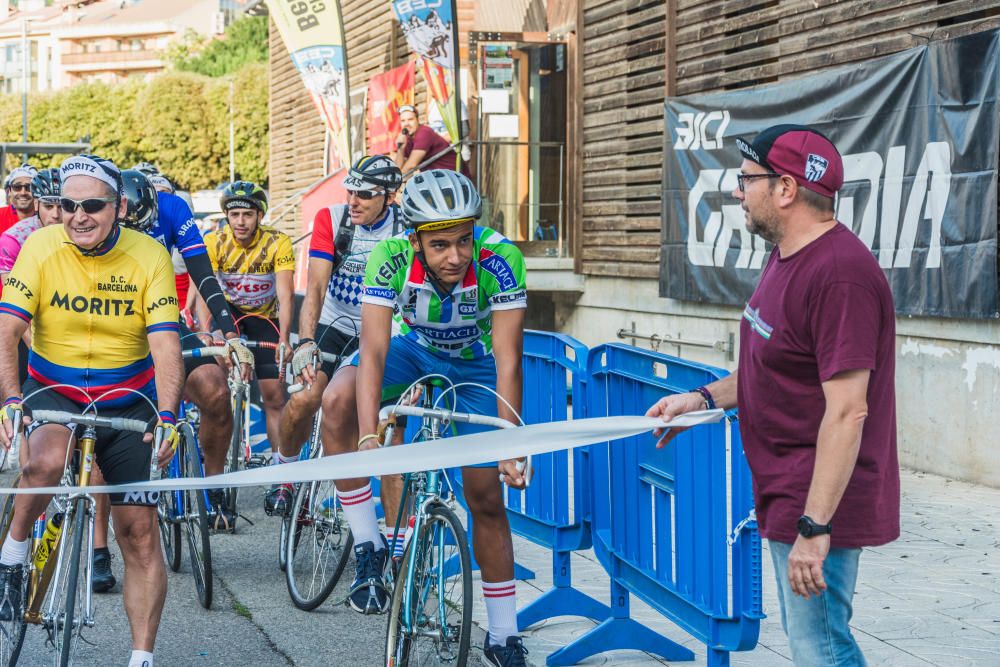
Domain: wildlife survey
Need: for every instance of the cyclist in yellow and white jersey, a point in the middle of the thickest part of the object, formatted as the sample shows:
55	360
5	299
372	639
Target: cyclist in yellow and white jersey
255	265
103	310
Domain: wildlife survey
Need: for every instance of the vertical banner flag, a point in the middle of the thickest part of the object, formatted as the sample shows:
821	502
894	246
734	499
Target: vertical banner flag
313	33
386	93
359	98
431	30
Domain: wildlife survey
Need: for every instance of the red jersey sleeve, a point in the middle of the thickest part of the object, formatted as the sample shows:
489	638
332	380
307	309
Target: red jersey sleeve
321	241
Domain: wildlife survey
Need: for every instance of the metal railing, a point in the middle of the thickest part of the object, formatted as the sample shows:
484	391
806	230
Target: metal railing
728	346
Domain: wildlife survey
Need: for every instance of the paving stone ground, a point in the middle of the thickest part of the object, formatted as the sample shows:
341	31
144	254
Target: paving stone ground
930	598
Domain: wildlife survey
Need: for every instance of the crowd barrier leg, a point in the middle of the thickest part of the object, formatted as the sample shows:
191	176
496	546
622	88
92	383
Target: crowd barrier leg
562	599
619	632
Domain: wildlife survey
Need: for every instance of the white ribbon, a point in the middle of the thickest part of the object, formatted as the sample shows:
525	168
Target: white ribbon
452	452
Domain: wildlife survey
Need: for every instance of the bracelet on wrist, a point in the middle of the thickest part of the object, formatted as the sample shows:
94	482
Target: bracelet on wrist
370	436
303	341
706	396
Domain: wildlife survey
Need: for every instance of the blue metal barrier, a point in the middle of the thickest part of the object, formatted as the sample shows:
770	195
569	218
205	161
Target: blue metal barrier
554	370
659	518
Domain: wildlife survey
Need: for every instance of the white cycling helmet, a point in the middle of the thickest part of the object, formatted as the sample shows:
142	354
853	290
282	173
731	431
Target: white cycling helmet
438	199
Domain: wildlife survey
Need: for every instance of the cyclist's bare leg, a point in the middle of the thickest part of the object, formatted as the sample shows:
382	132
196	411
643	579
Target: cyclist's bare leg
491	540
340	421
47	451
145	585
102	510
206	387
272	395
297	415
392	489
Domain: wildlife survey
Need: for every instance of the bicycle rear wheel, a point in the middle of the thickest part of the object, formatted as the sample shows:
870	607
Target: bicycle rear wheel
196	519
69	592
430	621
317	545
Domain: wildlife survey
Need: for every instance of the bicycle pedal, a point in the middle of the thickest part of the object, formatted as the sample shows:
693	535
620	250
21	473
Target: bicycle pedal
258	461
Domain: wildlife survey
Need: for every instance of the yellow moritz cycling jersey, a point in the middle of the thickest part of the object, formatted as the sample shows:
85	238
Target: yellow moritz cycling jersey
248	275
91	314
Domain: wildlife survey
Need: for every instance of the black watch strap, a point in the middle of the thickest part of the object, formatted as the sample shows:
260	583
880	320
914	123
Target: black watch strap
809	528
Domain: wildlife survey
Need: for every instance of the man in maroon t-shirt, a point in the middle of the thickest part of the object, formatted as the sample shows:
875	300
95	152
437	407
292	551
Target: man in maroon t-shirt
815	390
417	143
20	201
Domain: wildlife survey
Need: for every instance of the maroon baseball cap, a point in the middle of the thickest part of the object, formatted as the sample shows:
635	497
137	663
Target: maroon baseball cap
800	152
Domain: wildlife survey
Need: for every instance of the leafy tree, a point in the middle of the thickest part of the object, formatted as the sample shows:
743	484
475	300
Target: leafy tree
245	41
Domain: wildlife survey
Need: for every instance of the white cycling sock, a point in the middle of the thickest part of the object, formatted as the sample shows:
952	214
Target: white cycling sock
14	552
359	510
278	459
400	542
140	659
501	610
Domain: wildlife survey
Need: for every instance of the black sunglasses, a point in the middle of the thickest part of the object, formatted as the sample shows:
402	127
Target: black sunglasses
88	205
363	195
19	187
742	178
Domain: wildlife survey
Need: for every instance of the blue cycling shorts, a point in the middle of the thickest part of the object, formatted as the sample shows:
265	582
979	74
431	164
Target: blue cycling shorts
407	361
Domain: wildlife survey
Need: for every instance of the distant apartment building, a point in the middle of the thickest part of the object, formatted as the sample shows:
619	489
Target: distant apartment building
76	41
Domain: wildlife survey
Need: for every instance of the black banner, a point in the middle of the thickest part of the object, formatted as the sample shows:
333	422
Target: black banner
919	132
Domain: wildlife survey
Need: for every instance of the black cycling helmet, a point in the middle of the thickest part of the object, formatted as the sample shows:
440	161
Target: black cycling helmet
46	183
243	194
374	173
141	210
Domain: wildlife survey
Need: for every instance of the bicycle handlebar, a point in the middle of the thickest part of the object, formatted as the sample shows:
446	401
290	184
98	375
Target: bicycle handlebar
115	423
445	415
222	350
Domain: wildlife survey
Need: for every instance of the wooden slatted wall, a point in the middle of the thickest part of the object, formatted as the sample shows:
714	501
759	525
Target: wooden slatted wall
714	45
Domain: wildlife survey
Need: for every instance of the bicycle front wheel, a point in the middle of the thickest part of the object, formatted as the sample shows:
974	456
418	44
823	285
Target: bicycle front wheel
430	617
66	619
317	545
168	516
12	631
236	449
196	519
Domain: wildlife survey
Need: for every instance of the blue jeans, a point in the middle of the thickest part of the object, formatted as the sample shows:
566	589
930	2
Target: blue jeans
818	629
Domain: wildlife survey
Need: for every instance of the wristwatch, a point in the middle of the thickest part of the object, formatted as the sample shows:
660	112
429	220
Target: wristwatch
809	528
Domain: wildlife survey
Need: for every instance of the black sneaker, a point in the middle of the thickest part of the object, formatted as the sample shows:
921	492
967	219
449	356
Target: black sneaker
278	500
368	593
219	516
11	587
510	655
103	580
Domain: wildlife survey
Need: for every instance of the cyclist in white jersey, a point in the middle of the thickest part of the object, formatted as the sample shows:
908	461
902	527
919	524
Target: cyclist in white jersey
343	235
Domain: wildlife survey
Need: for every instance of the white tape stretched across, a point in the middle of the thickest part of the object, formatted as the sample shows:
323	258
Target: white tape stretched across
447	453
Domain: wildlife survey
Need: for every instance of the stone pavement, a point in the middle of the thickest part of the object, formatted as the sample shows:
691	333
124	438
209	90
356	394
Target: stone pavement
930	598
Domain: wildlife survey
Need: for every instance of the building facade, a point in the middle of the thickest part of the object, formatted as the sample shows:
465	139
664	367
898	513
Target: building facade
78	41
566	99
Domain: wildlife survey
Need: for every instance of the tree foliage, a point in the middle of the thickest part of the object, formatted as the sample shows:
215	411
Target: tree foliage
245	41
179	121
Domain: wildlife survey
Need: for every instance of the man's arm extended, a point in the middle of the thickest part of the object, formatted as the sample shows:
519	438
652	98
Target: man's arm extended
376	329
165	347
286	303
317	280
508	346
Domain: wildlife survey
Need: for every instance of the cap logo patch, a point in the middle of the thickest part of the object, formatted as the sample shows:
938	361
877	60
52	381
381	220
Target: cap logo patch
816	166
748	150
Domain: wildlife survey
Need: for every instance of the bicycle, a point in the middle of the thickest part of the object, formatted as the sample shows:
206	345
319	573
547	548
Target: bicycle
187	511
430	613
315	543
240	456
59	596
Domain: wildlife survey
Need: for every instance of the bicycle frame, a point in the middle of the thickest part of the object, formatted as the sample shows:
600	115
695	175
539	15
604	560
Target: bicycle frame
174	471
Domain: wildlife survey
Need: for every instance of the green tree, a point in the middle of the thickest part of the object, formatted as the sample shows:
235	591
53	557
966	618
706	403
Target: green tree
245	41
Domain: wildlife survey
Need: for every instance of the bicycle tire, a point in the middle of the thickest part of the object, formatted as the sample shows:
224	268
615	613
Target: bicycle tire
311	573
315	449
72	591
427	553
12	631
196	519
235	454
167	515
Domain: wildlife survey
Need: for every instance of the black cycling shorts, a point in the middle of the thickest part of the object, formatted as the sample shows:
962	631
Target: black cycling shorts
334	341
262	330
122	455
22	361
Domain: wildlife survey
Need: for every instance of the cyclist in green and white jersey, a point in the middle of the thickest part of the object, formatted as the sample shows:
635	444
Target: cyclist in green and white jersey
460	290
